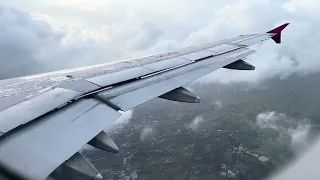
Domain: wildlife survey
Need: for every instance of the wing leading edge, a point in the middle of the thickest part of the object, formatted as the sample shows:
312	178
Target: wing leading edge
64	110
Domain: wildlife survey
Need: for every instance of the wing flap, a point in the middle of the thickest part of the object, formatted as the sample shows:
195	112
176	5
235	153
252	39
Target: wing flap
133	94
35	107
136	97
80	85
166	64
54	138
197	55
222	48
120	76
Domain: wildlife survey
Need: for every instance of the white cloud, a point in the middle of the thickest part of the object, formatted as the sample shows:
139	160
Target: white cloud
218	103
299	137
295	5
195	123
147	133
296	129
297	53
122	120
270	119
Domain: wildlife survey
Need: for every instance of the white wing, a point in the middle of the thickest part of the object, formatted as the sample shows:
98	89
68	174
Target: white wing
45	119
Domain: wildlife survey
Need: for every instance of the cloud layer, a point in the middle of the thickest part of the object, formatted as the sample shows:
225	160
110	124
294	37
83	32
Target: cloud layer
100	31
296	129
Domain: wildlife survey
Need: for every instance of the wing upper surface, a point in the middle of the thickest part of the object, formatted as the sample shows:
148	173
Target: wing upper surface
44	145
64	110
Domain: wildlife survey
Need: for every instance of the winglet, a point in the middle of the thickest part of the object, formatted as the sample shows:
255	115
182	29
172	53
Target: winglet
277	33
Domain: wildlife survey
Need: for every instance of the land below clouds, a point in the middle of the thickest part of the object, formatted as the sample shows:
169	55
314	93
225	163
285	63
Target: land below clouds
274	120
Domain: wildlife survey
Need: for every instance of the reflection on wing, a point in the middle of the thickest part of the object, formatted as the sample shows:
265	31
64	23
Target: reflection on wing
46	119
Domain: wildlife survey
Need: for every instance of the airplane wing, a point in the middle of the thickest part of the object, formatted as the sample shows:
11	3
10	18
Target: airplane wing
46	119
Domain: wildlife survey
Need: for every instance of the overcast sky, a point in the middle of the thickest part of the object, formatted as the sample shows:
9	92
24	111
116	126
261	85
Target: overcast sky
39	36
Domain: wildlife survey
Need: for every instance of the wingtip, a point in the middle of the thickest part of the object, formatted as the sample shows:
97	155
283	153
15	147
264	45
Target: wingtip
276	32
278	29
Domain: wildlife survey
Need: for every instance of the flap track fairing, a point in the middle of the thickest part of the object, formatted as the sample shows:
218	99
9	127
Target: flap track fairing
104	142
240	65
75	168
181	95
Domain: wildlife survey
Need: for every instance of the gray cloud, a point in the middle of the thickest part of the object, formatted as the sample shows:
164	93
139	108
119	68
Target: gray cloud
304	166
20	39
30	46
143	28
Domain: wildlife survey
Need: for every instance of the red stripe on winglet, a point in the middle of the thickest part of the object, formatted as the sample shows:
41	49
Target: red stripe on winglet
278	30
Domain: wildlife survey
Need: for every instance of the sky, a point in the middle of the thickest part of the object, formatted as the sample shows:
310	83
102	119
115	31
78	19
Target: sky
38	36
